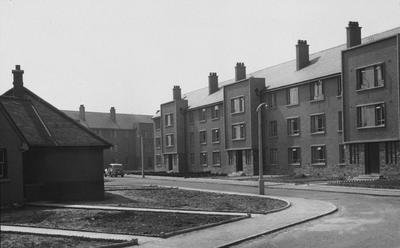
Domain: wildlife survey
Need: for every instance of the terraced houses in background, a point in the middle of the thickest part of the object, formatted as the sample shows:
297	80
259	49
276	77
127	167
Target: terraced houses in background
332	113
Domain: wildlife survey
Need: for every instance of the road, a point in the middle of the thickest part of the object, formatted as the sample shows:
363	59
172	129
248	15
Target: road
362	221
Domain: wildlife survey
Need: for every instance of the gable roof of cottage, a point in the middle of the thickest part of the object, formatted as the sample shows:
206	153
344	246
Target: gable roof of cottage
41	124
103	120
323	63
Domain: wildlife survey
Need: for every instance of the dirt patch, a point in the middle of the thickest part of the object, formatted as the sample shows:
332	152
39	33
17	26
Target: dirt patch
172	198
122	222
13	240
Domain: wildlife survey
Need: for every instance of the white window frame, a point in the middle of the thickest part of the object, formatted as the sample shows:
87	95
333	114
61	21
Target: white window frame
378	79
242	131
169	142
237	105
215	112
360	115
292	95
169	119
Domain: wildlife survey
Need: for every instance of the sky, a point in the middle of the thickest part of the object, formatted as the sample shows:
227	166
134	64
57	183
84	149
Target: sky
130	53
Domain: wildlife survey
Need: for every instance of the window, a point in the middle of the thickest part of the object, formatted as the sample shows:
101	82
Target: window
216	158
3	163
192	158
158	160
340	121
203	158
372	115
230	157
215	135
215	112
293	126
247	154
355	153
271	100
273	156
169	140
294	155
237	105
318	123
203	137
370	77
169	120
318	154
391	149
158	142
339	86
157	123
341	154
203	114
316	91
273	128
292	96
190	117
238	132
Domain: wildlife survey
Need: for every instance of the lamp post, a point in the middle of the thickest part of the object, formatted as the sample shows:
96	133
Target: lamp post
141	154
260	155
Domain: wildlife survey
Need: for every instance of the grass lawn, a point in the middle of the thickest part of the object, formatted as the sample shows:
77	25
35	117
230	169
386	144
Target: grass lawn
12	240
380	183
172	198
122	222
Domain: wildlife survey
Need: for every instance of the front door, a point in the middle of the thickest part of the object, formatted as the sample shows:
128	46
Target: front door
239	160
371	158
170	162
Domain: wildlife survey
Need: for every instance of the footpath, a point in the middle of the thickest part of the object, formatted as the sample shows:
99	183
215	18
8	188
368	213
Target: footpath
290	186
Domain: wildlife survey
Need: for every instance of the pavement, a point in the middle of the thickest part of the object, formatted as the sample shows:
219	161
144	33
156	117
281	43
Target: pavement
289	186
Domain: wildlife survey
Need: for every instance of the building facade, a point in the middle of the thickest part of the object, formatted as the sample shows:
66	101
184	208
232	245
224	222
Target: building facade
330	113
125	132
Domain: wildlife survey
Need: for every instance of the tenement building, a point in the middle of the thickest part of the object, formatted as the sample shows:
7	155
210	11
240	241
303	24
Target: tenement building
331	113
125	132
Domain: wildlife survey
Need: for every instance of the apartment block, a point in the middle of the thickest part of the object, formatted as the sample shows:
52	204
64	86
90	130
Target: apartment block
330	113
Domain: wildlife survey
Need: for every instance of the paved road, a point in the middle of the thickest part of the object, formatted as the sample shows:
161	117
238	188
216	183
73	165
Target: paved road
362	221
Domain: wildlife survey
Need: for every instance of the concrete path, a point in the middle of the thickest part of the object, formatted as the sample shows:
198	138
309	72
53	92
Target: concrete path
289	186
70	233
98	207
301	210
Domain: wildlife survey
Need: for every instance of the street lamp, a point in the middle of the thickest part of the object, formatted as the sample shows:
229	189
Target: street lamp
260	150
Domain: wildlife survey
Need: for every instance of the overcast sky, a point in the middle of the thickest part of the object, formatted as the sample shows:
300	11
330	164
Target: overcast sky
130	53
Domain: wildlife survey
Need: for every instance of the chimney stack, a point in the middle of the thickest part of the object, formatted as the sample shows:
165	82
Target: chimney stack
18	83
302	54
82	113
240	71
212	82
353	34
176	92
112	114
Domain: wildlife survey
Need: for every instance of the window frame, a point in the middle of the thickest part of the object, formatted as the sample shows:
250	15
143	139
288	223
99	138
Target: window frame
320	161
201	132
313	85
340	121
241	105
215	130
169	122
314	122
216	163
158	144
290	155
203	155
273	156
172	144
3	164
359	116
289	126
242	134
203	115
359	76
273	128
288	97
215	112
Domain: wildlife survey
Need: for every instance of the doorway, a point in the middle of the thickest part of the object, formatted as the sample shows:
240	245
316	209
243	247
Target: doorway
170	162
371	158
239	160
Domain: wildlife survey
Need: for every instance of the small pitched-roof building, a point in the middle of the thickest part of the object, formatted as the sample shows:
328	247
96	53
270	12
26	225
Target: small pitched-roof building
44	154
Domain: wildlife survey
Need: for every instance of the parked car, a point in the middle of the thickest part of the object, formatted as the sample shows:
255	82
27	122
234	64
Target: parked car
114	170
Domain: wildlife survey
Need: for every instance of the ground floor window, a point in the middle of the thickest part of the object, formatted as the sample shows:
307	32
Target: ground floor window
158	160
391	149
216	158
273	156
318	154
247	154
341	154
3	163
203	158
354	150
230	157
294	155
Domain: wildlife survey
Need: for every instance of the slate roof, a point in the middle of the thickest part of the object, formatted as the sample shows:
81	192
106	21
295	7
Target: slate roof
41	124
103	120
322	63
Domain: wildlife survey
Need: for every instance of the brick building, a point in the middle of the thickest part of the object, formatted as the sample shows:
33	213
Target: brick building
318	119
44	154
124	132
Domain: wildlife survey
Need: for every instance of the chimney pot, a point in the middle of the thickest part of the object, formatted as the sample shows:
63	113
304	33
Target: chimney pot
240	71
353	33
176	92
113	114
302	54
212	82
82	113
18	81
